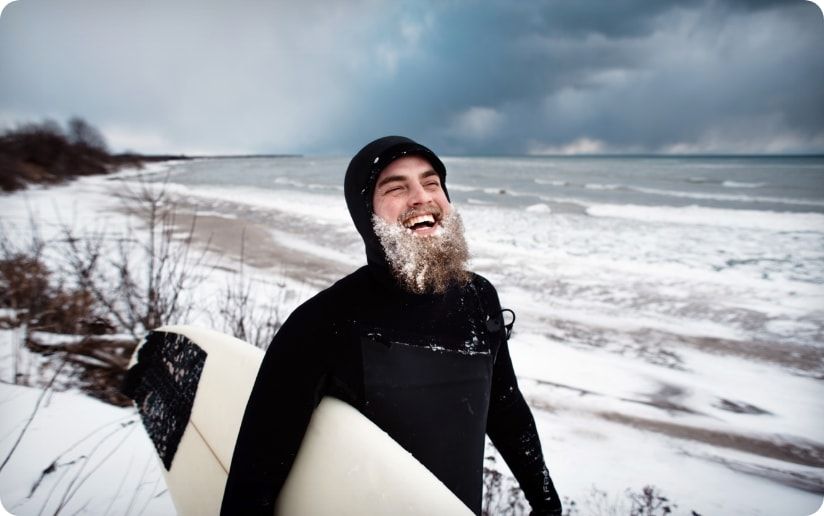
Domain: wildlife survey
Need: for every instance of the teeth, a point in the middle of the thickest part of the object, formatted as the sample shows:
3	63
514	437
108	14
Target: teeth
417	220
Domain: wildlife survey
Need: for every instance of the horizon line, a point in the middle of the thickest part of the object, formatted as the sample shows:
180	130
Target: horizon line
172	155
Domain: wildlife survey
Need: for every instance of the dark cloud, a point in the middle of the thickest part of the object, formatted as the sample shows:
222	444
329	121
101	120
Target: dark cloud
614	20
465	76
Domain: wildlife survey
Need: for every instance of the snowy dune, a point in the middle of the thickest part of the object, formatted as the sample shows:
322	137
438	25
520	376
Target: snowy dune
646	359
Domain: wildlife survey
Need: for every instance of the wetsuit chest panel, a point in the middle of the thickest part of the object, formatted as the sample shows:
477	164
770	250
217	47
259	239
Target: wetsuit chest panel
434	402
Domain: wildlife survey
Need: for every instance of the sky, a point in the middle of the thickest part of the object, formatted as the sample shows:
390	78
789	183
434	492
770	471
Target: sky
465	77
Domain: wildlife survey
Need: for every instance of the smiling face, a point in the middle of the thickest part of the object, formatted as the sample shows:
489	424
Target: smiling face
409	192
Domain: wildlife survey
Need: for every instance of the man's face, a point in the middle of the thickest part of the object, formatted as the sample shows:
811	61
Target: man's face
409	192
409	204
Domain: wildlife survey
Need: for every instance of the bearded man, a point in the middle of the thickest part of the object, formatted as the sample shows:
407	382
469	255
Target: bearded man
412	340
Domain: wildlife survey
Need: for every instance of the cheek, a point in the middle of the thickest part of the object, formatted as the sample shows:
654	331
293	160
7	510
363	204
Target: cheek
386	210
443	203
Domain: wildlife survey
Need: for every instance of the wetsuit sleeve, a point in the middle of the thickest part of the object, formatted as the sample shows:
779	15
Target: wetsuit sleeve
512	430
285	394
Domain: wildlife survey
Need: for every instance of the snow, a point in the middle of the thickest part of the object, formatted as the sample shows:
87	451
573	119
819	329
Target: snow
98	458
616	406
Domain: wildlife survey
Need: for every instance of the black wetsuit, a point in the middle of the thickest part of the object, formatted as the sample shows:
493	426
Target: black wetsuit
427	369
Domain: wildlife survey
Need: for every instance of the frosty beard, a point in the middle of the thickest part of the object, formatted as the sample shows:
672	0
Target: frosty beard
426	264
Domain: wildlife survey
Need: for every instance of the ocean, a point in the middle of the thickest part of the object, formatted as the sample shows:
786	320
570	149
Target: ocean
777	184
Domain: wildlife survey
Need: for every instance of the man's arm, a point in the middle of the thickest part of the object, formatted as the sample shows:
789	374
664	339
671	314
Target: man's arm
512	430
285	394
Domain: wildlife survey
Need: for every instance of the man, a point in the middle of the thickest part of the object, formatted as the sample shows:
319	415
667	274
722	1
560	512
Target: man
412	340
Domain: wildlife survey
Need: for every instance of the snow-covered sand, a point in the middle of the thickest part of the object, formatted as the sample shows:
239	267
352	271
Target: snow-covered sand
77	456
688	392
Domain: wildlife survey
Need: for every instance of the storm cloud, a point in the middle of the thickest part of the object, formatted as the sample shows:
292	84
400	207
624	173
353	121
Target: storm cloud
466	77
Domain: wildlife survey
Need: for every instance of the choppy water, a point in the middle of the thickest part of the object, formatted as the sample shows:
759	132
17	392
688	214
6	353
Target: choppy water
764	184
726	248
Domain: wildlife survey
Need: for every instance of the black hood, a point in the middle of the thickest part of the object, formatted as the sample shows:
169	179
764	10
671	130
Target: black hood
361	176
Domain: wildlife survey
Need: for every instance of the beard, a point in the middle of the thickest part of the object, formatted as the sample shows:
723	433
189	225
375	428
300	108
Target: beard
425	264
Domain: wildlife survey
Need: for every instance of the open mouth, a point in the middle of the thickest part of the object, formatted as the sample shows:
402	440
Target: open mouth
420	222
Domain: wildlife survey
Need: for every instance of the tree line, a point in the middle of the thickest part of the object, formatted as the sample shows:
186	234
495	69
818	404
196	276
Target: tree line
46	152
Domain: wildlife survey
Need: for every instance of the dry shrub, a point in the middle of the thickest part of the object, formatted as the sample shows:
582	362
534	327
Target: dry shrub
75	312
501	493
42	304
648	501
24	283
25	286
141	279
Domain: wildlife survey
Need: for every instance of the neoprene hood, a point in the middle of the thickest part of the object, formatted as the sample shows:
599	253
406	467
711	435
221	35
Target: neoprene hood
362	175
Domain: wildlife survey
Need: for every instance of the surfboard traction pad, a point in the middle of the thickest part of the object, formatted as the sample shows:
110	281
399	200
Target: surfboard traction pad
163	383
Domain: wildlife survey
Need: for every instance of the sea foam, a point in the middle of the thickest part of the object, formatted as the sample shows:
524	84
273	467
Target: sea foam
702	216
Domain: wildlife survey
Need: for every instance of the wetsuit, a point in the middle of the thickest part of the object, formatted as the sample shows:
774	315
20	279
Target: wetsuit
430	370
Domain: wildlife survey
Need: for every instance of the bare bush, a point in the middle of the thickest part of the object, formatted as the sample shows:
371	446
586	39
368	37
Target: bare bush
502	496
597	503
501	493
24	285
648	501
24	278
142	279
40	301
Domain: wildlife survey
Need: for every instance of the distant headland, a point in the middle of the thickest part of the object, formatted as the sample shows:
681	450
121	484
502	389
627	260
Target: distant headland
47	153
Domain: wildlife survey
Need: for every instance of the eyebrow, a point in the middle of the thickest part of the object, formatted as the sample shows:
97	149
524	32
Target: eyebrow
397	178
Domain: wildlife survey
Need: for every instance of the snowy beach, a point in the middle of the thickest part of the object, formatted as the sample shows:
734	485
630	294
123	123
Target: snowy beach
670	317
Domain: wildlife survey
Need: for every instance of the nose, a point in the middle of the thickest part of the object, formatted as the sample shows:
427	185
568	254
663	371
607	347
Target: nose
418	195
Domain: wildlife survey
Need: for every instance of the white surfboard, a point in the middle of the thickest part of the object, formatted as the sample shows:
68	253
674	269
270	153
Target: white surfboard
346	464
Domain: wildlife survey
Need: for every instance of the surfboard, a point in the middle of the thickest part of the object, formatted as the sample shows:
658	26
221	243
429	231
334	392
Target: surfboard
191	386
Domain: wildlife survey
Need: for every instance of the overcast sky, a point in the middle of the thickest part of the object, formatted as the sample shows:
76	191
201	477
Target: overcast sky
464	77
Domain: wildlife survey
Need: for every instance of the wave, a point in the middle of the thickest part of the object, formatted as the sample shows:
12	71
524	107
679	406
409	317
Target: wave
729	197
148	170
552	182
701	180
740	184
457	187
539	208
598	186
300	184
494	191
289	182
302	204
701	216
498	191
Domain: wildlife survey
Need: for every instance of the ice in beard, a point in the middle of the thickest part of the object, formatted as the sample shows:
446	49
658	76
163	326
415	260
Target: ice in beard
425	264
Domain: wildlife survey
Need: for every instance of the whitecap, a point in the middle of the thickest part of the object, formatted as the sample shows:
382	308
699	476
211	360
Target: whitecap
538	208
729	197
702	216
741	184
